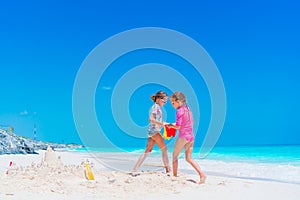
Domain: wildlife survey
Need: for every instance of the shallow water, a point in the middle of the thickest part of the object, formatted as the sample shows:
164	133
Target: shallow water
275	163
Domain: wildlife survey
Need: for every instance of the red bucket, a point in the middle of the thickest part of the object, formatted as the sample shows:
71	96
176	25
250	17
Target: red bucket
171	132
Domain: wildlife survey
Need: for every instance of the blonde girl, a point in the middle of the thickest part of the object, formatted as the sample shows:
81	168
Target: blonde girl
184	124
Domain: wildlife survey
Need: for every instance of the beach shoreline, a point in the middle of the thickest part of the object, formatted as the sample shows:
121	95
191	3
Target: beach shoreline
68	181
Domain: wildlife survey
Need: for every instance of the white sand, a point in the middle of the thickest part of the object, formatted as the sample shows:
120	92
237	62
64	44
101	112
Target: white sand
45	176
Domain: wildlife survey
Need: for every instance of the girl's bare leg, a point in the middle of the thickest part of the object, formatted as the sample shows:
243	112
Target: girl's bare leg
188	157
162	145
149	147
180	143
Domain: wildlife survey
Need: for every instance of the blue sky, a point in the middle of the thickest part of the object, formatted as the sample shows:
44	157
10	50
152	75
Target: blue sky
254	44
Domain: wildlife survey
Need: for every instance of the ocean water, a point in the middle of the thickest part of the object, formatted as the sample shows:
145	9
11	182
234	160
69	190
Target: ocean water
272	163
289	155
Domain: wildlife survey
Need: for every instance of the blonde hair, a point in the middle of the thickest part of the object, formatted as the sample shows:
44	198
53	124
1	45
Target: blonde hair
160	94
179	96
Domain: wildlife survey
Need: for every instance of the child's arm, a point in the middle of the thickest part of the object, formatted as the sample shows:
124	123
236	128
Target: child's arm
177	125
153	120
173	126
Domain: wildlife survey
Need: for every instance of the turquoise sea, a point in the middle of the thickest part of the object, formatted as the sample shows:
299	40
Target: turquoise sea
273	163
289	155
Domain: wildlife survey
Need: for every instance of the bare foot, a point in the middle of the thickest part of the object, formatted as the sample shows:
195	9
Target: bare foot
202	180
168	170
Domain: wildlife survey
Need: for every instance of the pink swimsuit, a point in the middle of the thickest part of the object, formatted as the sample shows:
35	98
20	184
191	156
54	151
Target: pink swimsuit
184	119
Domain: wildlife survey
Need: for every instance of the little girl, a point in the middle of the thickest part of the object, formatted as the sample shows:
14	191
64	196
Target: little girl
154	127
184	123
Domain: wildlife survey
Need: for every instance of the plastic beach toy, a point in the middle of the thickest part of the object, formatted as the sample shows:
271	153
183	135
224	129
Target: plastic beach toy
89	174
169	132
10	164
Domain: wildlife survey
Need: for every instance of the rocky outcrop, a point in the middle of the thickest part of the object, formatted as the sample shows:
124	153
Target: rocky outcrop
10	143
